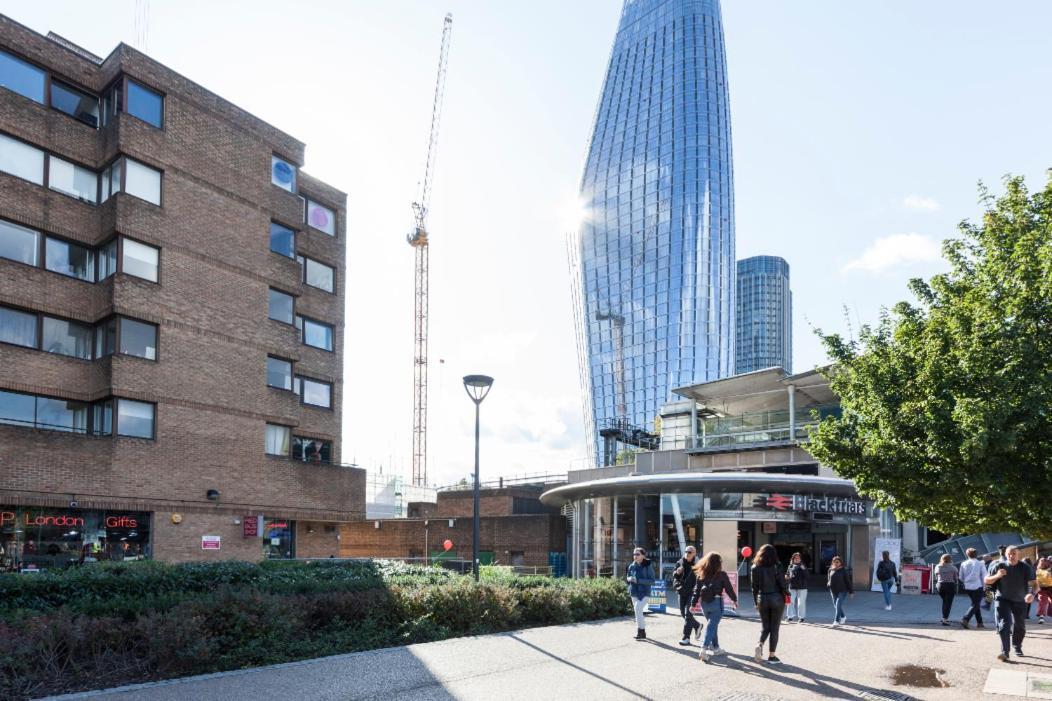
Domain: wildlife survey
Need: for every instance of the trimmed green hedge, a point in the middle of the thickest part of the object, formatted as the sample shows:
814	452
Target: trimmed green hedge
107	625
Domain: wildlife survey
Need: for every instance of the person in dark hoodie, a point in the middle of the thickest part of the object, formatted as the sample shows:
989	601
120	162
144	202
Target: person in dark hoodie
770	591
797	576
683	579
839	583
640	575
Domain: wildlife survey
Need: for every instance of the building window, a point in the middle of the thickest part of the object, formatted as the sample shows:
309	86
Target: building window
138	339
317	274
106	338
102	418
311	449
111	180
139	260
79	105
282	174
142	181
135	419
279	373
277	441
17	327
314	392
321	218
146	104
107	259
62	415
280	306
19	243
314	333
73	180
67	338
17	409
21	160
20	77
282	240
69	259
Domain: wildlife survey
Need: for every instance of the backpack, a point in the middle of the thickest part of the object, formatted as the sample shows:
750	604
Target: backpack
883	571
711	590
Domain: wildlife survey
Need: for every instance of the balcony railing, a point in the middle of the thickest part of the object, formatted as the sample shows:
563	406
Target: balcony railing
760	427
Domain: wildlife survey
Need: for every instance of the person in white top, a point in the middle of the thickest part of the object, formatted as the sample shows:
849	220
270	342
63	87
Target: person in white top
972	574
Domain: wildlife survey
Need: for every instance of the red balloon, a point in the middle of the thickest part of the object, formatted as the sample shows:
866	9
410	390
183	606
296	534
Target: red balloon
746	551
447	545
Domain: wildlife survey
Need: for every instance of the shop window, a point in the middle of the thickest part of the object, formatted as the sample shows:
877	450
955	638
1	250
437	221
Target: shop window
314	392
282	174
23	78
69	259
139	260
21	160
279	373
76	103
18	327
317	274
146	104
279	540
142	181
277	439
311	450
282	240
280	306
41	538
135	419
18	243
67	338
73	180
321	218
138	338
315	333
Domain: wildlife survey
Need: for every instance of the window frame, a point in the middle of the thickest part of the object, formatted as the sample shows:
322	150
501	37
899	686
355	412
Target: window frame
50	82
75	164
287	294
295	173
298	389
69	242
124	180
270	235
38	327
124	101
292	373
286	455
303	336
95	408
120	258
303	273
44	170
115	425
121	318
32	64
307	201
332	449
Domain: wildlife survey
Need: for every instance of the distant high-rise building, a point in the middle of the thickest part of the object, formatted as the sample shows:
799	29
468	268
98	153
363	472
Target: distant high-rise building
657	245
764	319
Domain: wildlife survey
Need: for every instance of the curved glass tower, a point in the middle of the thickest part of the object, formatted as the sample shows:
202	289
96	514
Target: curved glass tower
657	245
764	336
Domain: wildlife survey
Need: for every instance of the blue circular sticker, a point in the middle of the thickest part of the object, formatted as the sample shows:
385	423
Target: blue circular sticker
283	172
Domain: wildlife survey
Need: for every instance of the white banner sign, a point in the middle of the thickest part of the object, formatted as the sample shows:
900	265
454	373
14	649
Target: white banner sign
894	548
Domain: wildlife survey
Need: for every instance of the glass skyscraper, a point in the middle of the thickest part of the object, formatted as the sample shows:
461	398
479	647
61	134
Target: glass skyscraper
656	250
764	336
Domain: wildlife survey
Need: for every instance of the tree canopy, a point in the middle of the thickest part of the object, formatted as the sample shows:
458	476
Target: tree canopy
947	401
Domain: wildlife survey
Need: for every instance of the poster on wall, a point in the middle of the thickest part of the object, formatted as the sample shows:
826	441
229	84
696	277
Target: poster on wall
210	542
894	548
658	599
911	582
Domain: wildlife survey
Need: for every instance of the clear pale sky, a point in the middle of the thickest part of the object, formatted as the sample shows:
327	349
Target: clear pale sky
860	131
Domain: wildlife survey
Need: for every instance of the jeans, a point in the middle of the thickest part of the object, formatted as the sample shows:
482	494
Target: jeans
639	606
771	607
947	590
798	603
713	611
886	586
690	624
1044	602
838	606
976	596
1011	622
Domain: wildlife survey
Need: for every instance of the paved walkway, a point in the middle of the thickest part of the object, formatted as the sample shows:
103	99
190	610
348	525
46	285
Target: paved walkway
600	660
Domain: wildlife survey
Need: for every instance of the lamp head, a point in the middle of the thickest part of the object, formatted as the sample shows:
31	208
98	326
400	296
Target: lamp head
477	386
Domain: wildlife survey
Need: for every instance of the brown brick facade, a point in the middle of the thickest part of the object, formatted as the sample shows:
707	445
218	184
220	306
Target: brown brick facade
211	307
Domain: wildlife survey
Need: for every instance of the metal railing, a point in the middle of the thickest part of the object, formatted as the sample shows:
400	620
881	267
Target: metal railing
761	426
501	482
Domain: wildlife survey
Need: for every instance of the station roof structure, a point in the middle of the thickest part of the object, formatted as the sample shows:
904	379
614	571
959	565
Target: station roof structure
760	390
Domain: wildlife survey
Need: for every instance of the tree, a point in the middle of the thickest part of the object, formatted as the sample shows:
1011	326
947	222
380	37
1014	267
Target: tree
947	402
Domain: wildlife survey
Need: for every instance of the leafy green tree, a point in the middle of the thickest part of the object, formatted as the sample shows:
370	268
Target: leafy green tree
947	402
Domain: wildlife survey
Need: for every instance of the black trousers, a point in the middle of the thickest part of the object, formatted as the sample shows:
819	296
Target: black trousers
1011	621
947	590
690	624
976	595
771	608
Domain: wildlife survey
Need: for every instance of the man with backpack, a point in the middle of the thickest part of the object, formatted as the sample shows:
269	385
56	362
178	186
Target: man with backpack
683	580
886	574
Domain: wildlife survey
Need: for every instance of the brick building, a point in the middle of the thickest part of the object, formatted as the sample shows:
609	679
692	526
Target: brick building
514	529
171	320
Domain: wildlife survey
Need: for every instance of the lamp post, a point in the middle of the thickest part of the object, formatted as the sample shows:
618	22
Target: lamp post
477	387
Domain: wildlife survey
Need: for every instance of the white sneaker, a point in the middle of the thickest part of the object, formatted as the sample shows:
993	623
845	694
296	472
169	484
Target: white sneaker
719	651
843	621
758	653
835	624
888	607
685	641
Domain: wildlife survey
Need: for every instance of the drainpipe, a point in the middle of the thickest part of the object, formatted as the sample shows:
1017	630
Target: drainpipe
792	412
693	424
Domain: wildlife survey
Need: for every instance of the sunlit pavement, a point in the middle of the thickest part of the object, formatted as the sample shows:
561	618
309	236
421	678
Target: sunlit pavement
600	660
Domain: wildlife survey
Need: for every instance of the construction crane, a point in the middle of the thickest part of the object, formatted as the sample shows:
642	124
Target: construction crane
417	238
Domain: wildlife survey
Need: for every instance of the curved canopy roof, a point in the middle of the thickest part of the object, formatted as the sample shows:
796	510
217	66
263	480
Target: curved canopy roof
700	482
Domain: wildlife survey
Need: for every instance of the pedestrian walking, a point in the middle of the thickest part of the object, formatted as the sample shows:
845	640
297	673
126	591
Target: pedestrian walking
770	592
988	595
639	577
1044	588
683	580
838	581
946	578
886	574
710	585
972	572
797	576
1014	584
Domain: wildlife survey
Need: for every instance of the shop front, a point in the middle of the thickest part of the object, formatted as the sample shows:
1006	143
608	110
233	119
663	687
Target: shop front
37	538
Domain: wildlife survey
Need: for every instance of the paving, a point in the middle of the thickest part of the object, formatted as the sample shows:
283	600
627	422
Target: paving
601	660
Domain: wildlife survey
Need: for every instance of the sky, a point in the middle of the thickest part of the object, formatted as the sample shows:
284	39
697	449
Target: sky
860	132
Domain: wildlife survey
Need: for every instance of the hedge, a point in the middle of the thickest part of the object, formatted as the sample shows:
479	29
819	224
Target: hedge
102	626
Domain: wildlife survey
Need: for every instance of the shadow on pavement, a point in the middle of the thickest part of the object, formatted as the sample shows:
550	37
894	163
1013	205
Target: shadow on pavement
541	650
806	679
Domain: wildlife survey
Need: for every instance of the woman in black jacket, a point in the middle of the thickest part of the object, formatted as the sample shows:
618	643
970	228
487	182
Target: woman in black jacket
684	579
839	582
797	576
712	583
769	590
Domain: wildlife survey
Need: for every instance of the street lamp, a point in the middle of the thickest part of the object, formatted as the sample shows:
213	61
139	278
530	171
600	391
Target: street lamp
477	387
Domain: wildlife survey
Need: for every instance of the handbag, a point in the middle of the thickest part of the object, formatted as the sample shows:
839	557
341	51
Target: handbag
788	599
